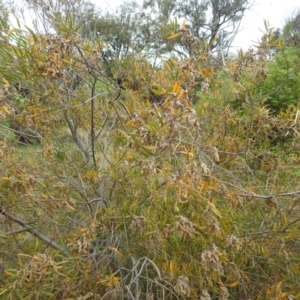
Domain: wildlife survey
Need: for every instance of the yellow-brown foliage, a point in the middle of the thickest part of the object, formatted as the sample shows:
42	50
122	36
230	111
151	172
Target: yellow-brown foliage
190	197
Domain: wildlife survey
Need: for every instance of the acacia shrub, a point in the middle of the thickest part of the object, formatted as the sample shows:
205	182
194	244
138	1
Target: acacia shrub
280	89
153	200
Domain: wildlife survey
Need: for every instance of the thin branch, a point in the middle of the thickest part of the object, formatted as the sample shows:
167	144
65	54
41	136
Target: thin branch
34	232
271	198
288	225
20	230
93	136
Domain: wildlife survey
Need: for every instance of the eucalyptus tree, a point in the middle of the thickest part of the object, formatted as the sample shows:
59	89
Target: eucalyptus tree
216	21
291	29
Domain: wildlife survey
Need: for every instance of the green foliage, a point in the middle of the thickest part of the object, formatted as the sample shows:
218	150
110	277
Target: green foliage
291	29
281	87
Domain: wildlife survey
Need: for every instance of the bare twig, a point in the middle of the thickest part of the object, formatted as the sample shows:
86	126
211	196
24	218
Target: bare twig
33	231
271	198
291	223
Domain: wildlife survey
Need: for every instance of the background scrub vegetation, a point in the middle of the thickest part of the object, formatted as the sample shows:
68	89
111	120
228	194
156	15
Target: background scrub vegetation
182	184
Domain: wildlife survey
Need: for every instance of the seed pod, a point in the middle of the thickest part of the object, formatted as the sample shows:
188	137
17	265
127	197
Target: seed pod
216	155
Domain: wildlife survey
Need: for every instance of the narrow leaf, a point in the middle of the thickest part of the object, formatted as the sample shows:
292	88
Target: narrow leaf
174	36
